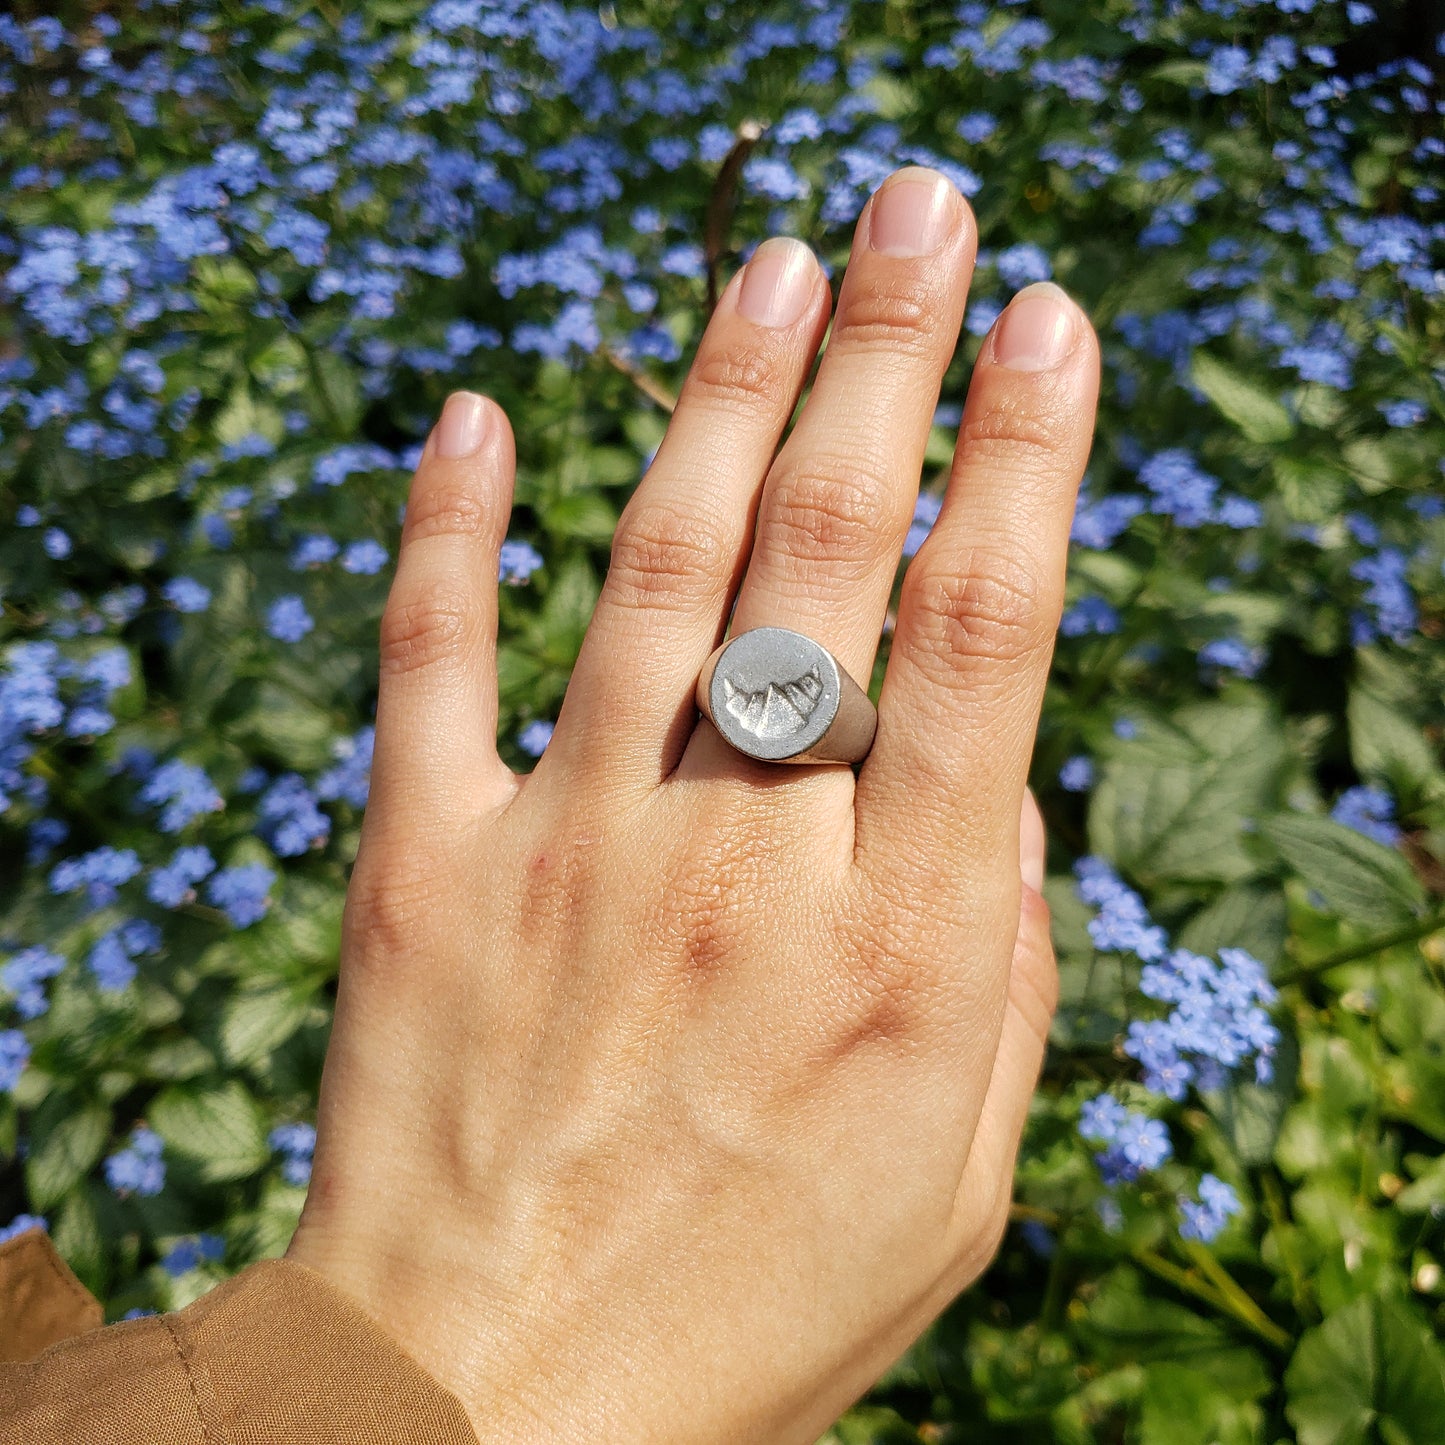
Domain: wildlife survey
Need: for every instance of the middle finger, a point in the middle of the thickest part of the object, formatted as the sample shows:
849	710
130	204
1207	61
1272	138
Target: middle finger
838	499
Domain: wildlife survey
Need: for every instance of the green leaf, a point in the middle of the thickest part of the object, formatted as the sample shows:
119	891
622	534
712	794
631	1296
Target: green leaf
1181	1406
67	1138
871	1425
1384	743
221	1129
587	516
1259	415
1244	916
1180	72
79	1239
339	390
1370	1373
1249	1115
1308	490
177	1059
244	416
568	609
298	733
1361	880
256	1021
1176	801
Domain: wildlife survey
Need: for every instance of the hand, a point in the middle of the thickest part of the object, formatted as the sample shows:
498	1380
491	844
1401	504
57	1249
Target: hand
672	1094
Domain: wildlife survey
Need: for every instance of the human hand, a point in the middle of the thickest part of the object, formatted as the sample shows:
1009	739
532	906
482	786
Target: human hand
672	1094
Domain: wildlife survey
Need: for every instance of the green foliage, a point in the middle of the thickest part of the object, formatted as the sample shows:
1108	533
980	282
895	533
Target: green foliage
1250	251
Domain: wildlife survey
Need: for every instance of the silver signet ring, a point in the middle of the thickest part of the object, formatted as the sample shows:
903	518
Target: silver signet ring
777	695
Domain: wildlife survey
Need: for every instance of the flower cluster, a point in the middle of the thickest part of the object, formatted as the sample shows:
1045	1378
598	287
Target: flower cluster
188	1254
140	1167
1217	1022
295	1143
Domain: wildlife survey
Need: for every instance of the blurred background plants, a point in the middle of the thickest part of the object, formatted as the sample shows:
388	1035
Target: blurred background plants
247	248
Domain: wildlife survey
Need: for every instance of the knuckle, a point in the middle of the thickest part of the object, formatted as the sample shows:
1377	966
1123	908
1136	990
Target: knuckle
736	377
883	316
829	508
389	917
992	609
447	507
892	994
427	627
1012	432
665	557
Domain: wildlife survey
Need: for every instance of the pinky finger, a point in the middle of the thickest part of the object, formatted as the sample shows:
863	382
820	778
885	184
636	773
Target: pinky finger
436	715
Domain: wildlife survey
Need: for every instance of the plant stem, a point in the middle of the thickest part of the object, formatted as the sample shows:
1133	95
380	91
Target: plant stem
1408	933
1274	1205
1241	1303
654	391
1250	1315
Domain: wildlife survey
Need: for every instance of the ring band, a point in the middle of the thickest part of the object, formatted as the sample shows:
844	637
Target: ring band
778	696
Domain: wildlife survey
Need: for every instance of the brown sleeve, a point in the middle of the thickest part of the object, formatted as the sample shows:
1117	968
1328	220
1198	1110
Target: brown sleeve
41	1301
275	1356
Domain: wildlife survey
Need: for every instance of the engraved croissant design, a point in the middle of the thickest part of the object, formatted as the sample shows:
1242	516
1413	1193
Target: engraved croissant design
778	709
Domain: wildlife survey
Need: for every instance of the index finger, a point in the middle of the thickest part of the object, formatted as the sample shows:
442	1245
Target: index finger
938	798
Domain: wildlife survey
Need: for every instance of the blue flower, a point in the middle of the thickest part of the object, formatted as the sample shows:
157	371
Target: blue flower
1077	775
365	558
1089	614
1181	488
173	884
533	738
20	1224
287	619
1370	811
1019	265
185	594
1100	1118
1205	1217
56	543
925	514
295	1143
110	963
1099	524
1403	413
1389	595
183	791
24	975
977	127
982	312
1229	654
1228	69
350	779
290	821
518	561
312	551
242	893
139	1168
101	872
186	1254
14	1055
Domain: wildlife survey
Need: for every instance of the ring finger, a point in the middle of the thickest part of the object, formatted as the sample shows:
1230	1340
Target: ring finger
840	495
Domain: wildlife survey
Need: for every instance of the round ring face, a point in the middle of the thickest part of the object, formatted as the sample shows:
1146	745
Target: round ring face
774	693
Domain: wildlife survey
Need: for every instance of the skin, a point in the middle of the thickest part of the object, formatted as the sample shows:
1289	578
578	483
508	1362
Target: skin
673	1094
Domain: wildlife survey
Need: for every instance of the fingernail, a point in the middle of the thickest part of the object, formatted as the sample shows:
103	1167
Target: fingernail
1036	330
462	425
777	282
912	213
